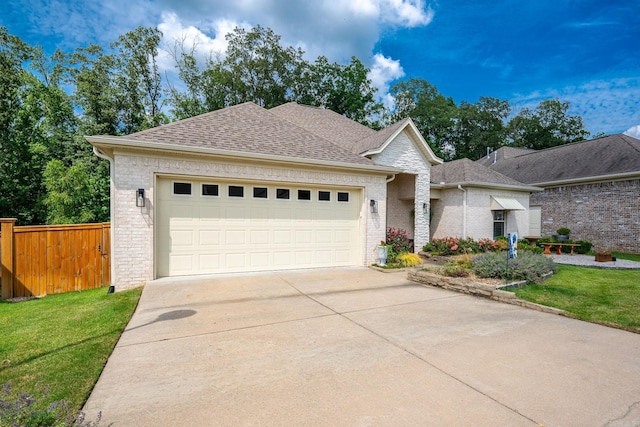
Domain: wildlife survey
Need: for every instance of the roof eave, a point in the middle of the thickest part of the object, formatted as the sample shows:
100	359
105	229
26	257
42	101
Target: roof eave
511	187
112	142
590	179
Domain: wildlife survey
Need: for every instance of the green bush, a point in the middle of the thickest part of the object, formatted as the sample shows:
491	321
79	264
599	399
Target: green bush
584	248
527	266
447	246
397	241
454	270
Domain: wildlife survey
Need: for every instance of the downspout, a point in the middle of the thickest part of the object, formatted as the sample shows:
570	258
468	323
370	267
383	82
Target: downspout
464	211
112	228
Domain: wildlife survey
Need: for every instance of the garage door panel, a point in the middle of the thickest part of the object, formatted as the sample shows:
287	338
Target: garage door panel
208	238
235	237
215	234
260	237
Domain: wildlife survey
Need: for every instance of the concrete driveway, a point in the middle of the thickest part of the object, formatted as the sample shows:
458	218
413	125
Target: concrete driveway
355	347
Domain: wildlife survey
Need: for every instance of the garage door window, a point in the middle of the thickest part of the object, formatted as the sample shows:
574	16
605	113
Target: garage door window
324	196
236	191
304	195
343	197
182	188
260	193
210	190
282	193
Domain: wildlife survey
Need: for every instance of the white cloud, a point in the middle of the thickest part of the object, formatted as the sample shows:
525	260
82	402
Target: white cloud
383	71
634	131
608	106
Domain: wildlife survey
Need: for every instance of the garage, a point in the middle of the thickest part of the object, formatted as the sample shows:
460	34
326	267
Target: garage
209	226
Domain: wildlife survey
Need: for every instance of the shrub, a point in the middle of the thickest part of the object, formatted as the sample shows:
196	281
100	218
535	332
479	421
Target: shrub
407	259
488	245
529	248
563	231
528	266
584	248
454	270
397	241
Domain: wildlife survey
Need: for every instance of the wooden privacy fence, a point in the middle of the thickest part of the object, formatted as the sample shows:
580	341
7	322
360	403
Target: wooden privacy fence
52	259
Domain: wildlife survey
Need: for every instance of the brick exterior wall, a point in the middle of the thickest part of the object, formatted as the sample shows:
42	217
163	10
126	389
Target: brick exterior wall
606	214
133	227
403	154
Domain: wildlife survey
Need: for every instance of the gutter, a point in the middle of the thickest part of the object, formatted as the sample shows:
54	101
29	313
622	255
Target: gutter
590	179
121	142
464	212
112	264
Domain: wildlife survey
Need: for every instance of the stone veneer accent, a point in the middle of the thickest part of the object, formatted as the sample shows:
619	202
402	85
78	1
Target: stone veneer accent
403	154
133	245
606	213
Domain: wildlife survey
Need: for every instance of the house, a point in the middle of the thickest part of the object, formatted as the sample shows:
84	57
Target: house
471	200
592	187
248	189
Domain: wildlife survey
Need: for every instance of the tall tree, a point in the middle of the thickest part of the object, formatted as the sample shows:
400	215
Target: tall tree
433	113
261	70
480	126
138	79
547	126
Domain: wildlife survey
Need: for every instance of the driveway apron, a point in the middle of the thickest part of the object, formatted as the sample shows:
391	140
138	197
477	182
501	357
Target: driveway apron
356	347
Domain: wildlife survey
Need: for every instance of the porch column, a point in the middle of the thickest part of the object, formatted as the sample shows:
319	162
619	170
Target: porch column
422	211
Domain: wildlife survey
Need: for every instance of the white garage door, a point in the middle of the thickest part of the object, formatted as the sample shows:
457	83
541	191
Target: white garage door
222	227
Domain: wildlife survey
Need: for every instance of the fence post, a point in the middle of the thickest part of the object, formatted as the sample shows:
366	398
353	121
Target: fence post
6	257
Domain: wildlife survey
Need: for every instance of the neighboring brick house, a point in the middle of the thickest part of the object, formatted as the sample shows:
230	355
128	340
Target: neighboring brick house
249	189
592	187
470	200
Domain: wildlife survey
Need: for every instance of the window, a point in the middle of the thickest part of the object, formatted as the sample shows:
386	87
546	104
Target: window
236	191
304	195
260	192
182	188
324	196
282	193
209	189
343	197
498	223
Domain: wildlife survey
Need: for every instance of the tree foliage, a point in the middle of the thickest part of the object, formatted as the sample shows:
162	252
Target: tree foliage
48	172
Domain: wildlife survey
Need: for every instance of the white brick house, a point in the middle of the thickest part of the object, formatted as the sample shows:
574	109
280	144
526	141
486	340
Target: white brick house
470	200
249	189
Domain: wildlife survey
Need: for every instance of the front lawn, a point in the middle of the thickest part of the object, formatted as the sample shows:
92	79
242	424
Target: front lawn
62	341
609	297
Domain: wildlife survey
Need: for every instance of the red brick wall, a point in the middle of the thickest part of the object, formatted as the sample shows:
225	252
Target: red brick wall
606	214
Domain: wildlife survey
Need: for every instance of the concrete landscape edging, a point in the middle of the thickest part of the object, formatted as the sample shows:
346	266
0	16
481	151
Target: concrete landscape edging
477	289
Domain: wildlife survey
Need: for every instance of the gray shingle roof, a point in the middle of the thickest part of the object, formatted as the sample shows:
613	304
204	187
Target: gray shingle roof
325	123
609	155
501	154
252	129
465	170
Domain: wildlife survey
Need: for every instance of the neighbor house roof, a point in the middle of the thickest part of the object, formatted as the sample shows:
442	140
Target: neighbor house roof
468	172
246	130
613	156
501	154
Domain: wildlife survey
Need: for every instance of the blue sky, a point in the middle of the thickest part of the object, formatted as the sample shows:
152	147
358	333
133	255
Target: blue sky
581	51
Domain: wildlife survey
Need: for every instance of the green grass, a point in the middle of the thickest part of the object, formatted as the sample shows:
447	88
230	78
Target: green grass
62	341
630	257
609	297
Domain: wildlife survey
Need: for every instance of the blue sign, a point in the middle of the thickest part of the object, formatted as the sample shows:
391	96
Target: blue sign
513	245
